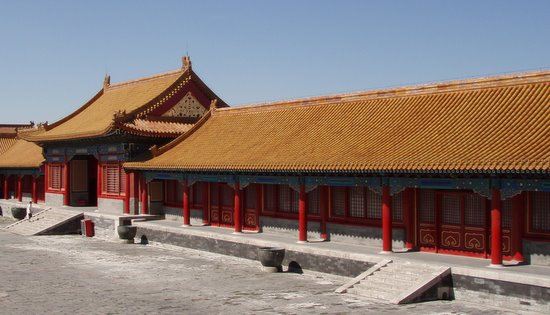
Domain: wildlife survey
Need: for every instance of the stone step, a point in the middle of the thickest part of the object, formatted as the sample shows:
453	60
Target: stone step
42	222
384	281
373	293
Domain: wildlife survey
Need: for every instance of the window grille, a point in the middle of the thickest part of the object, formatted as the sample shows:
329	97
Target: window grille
197	194
228	196
474	210
270	203
507	213
55	176
374	205
397	207
427	206
114	181
284	198
214	194
313	201
540	207
295	201
251	196
357	202
338	201
451	209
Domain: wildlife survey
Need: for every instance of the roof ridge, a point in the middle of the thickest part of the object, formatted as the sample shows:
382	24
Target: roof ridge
423	88
145	78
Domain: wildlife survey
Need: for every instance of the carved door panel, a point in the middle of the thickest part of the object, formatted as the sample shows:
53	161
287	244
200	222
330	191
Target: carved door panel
251	207
226	205
463	222
214	204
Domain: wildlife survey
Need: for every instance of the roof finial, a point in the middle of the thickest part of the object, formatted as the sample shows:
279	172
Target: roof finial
106	81
186	62
214	104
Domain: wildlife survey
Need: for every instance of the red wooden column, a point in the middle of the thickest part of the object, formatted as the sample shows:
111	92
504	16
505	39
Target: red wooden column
67	182
496	228
323	209
99	179
302	215
518	219
237	209
144	195
19	188
6	187
34	189
127	194
386	220
186	209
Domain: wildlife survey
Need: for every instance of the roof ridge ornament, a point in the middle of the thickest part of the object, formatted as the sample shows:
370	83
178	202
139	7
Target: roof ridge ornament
214	104
186	62
106	81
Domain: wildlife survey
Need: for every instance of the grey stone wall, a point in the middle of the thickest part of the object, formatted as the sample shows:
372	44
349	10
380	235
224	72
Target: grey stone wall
54	200
322	263
176	214
288	226
114	206
536	253
362	235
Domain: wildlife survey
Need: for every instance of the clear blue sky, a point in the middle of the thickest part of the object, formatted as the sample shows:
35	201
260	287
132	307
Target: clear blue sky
54	54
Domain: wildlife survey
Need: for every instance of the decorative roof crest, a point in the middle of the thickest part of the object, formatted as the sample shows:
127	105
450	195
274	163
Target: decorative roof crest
106	81
186	62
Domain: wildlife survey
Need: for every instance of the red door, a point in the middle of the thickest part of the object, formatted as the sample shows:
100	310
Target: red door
221	204
251	207
463	227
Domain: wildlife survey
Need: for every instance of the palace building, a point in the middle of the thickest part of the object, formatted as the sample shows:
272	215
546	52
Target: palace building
460	167
84	151
455	167
21	171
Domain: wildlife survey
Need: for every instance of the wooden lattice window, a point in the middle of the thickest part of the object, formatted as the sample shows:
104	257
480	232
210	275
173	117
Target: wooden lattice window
113	179
507	213
214	194
173	192
451	209
474	210
285	198
55	176
270	198
540	212
374	205
197	195
427	206
251	197
357	202
338	201
156	191
313	201
228	196
397	207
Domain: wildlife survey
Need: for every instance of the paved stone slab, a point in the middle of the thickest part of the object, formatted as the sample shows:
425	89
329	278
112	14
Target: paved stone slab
71	274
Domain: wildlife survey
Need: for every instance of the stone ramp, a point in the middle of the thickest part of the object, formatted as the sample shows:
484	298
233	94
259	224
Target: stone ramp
398	282
43	222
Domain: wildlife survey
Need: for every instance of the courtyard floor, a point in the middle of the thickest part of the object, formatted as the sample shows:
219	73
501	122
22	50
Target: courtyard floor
71	274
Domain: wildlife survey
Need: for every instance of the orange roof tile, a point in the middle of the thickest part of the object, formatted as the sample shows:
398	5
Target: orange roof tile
6	143
22	154
499	124
160	128
96	117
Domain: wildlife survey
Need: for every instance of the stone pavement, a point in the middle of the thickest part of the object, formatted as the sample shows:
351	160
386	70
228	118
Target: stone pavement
71	274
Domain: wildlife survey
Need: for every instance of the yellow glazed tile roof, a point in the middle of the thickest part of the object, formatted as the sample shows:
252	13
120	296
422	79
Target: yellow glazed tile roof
22	154
6	143
161	128
497	124
96	117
